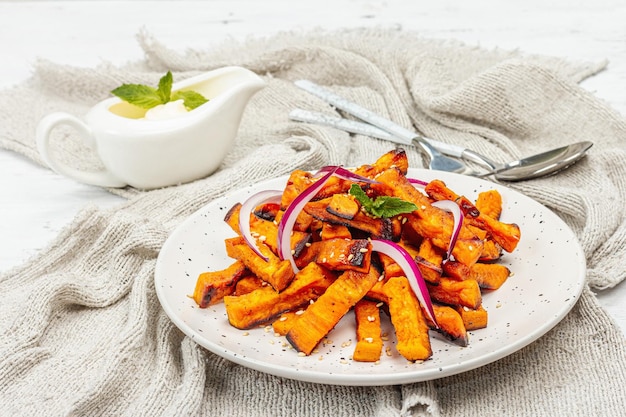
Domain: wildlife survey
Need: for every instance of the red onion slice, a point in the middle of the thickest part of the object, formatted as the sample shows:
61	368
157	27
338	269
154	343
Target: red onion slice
412	272
415	182
453	208
449	206
285	226
255	200
345	174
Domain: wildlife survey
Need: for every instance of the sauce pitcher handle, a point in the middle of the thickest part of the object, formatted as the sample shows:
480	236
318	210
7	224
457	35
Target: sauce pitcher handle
102	178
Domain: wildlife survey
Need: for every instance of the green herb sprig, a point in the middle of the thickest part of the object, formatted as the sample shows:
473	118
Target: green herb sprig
383	206
148	97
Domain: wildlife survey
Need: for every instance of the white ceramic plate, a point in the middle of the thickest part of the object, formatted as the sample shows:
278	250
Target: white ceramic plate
549	272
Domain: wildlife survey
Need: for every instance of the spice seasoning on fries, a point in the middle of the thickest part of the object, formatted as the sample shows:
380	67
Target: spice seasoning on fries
369	240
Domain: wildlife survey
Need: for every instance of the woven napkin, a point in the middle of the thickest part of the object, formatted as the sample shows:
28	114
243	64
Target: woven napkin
81	329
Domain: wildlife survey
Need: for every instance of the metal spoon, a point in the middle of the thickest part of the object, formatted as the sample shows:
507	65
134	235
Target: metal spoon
538	165
437	161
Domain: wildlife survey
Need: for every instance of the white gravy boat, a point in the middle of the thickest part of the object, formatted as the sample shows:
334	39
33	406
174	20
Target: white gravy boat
148	154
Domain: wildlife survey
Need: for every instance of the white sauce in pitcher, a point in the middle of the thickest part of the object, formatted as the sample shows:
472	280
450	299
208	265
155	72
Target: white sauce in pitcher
165	111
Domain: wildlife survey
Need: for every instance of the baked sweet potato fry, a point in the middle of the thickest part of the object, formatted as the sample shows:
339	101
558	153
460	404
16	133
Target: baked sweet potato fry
489	276
451	324
376	293
491	251
369	342
456	270
343	205
266	231
390	267
413	341
342	254
300	180
464	293
429	268
396	158
285	321
338	254
429	259
438	190
248	284
506	235
264	304
473	319
304	222
321	316
275	272
376	227
437	227
212	286
489	203
335	231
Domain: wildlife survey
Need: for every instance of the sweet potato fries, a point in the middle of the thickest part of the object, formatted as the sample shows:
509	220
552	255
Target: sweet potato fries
334	268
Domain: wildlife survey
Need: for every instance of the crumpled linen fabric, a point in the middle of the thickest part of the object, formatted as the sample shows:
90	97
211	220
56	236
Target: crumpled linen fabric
81	329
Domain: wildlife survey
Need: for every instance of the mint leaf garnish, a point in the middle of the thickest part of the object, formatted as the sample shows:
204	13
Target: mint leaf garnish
148	97
383	206
165	87
139	95
191	98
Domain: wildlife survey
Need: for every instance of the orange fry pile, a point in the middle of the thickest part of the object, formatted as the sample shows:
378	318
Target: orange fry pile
339	272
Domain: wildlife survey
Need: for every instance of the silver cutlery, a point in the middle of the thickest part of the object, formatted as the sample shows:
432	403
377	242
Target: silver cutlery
437	161
542	164
534	166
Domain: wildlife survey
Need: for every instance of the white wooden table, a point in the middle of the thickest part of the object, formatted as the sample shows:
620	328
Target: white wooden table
37	203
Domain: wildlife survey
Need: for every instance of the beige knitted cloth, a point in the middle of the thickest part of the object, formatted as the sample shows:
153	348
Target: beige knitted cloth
82	332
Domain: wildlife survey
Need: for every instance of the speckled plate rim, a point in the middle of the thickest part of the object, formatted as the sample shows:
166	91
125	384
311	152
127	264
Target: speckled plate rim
549	273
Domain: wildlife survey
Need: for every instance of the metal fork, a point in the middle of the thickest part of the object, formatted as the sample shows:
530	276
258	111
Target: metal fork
436	160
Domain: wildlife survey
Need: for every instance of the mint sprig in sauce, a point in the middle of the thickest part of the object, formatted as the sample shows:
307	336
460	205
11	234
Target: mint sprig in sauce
148	97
